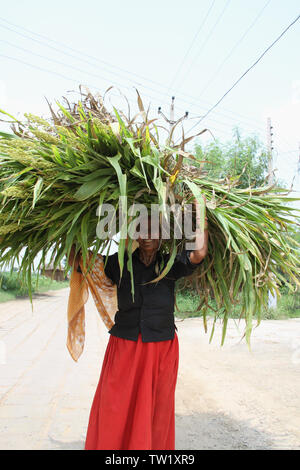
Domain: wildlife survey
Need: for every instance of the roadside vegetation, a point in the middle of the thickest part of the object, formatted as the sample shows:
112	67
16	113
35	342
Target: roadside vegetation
288	306
246	158
12	288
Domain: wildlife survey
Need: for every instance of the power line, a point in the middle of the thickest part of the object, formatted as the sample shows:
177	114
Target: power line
71	49
245	73
56	49
236	115
90	73
64	64
77	81
215	128
215	75
96	87
100	61
207	39
191	45
41	68
73	68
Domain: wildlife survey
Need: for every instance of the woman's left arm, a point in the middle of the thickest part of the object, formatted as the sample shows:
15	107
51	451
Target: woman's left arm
201	240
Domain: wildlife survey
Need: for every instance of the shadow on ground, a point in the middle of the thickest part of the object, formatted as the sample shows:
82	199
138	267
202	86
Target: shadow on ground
58	445
208	431
203	431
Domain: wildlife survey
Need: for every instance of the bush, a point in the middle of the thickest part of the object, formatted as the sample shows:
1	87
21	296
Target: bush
288	306
11	285
10	282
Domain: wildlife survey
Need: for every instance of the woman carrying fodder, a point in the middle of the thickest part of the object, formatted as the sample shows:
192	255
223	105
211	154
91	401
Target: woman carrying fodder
55	176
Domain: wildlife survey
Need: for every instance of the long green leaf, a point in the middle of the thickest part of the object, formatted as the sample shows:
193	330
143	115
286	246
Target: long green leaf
90	188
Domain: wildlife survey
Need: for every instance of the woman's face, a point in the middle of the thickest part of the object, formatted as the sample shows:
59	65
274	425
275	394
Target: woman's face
148	242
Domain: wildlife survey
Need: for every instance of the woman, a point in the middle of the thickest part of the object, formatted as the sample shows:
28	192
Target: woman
133	407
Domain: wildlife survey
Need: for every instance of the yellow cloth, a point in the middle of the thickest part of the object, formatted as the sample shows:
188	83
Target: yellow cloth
104	293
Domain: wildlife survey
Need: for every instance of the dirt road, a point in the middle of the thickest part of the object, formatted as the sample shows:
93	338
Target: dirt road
226	398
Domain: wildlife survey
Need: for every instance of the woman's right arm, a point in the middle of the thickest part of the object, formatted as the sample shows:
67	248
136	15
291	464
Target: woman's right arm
111	264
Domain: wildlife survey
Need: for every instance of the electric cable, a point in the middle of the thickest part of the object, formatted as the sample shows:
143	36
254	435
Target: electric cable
246	72
190	47
216	73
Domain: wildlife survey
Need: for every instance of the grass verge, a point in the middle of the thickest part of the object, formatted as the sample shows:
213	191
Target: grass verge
11	287
288	306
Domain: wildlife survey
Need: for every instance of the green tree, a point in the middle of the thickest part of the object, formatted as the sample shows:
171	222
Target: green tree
243	158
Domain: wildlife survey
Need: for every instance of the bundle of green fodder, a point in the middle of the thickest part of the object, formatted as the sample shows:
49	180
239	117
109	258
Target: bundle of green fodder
55	175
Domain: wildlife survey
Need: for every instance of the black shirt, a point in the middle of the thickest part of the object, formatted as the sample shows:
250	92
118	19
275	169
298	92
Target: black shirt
152	311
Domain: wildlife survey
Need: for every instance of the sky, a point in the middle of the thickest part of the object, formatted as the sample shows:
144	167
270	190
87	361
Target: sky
193	50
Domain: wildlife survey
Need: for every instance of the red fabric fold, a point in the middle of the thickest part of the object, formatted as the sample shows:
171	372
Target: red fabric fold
134	404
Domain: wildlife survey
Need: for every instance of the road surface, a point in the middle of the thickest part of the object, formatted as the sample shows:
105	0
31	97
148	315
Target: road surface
226	398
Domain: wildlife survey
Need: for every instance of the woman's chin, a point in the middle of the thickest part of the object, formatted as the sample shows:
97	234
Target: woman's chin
148	248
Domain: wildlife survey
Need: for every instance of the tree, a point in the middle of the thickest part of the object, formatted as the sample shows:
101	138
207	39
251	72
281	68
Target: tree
243	158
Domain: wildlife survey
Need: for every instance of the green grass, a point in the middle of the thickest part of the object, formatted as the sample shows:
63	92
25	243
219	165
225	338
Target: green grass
11	287
288	306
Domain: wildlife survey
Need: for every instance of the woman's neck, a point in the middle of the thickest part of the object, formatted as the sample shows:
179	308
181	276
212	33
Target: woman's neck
147	258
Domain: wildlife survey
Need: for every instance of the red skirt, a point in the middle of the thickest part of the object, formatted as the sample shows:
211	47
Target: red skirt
134	404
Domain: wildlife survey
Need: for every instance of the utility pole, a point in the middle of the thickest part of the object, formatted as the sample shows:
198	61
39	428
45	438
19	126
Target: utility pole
172	112
272	300
172	121
270	149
